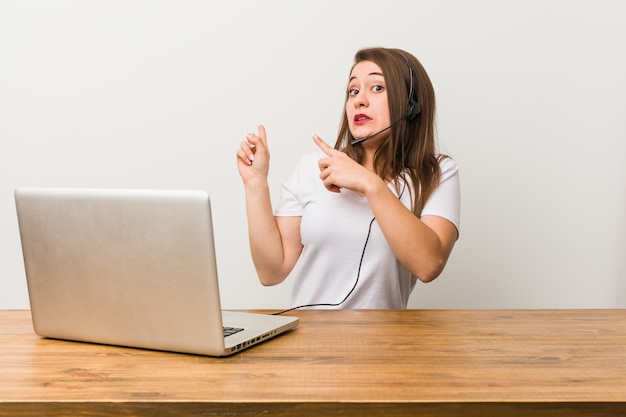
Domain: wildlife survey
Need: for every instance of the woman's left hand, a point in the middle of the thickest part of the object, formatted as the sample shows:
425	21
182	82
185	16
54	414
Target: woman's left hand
339	171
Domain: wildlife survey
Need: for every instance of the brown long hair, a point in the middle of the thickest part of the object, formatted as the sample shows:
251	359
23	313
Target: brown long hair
411	148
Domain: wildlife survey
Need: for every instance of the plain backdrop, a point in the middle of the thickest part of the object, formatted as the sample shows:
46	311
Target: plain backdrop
158	94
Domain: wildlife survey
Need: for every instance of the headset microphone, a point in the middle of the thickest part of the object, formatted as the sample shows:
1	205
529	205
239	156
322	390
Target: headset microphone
355	142
413	108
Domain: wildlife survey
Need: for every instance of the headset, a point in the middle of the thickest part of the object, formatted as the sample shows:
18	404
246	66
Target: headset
413	106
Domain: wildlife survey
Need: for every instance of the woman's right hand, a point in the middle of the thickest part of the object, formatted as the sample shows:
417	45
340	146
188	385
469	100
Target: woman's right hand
275	243
253	158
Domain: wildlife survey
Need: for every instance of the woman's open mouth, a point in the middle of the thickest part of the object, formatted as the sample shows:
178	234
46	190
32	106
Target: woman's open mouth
361	118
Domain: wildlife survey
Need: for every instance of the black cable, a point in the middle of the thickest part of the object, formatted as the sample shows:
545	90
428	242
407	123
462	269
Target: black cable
369	231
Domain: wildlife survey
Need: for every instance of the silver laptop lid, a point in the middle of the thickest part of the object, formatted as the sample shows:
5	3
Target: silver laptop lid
124	267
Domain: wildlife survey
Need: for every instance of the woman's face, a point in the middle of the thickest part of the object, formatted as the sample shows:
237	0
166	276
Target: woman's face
367	107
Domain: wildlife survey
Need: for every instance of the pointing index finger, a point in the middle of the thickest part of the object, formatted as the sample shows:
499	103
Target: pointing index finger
323	145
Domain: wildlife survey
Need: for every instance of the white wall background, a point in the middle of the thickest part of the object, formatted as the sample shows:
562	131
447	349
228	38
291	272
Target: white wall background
158	94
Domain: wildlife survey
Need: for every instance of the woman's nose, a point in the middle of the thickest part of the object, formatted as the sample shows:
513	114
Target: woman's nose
360	100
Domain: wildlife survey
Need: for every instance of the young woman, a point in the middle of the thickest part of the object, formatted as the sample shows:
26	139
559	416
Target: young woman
363	220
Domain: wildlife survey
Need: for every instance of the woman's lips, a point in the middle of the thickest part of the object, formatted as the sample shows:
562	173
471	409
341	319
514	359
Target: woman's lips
360	119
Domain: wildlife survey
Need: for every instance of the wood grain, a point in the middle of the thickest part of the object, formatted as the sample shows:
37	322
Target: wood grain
347	362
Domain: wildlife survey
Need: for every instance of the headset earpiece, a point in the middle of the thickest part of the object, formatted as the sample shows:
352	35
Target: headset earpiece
413	107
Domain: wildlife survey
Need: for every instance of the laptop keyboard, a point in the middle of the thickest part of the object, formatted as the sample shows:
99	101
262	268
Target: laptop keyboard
228	331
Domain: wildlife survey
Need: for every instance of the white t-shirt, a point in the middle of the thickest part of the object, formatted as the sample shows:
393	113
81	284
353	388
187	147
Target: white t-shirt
334	230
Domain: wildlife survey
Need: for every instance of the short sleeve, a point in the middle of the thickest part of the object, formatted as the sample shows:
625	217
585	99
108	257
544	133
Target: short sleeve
291	203
446	199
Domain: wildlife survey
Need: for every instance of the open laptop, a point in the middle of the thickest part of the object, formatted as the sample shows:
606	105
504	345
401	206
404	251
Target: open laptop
131	268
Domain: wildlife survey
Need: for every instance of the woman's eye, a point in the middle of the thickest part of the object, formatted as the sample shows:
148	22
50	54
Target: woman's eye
353	92
378	88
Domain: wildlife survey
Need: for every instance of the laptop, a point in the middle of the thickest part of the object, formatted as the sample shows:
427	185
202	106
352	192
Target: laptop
132	268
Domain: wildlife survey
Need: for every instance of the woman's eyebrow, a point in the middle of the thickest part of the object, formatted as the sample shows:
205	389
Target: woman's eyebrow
369	75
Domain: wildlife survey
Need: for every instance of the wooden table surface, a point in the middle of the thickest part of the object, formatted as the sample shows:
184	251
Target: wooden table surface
347	362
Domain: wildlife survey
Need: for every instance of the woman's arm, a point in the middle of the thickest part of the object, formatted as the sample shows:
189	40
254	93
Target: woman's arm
274	241
422	245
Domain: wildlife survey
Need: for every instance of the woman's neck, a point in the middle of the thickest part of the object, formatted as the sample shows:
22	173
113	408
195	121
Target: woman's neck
368	159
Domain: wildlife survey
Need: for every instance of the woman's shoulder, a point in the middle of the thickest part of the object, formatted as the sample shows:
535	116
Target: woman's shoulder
313	156
309	159
447	165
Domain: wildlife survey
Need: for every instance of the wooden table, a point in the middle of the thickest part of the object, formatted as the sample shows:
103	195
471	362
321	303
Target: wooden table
394	363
